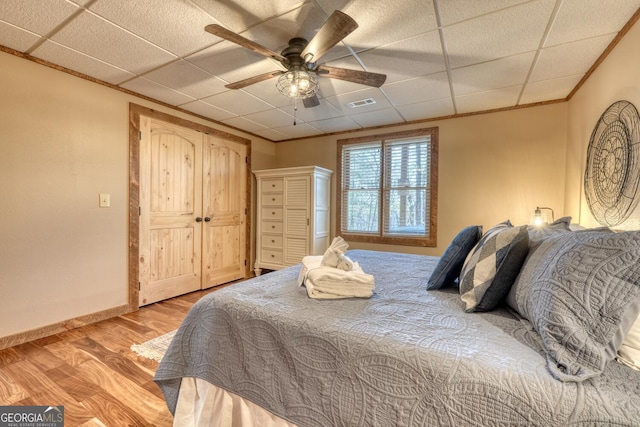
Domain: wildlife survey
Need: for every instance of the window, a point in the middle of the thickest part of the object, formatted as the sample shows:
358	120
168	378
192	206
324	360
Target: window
387	188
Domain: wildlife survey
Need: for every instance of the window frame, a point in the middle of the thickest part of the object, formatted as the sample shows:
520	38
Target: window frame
379	237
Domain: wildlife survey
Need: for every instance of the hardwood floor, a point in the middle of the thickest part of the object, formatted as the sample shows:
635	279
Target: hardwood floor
92	372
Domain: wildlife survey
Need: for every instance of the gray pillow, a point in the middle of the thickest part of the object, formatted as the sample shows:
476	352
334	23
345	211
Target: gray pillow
581	293
536	236
450	263
492	266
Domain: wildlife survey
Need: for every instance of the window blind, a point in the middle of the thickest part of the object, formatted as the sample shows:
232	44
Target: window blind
361	177
385	187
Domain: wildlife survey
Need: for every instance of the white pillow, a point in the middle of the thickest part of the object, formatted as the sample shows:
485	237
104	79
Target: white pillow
629	351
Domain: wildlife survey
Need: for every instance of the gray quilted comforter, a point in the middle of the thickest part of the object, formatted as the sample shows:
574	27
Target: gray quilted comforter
405	357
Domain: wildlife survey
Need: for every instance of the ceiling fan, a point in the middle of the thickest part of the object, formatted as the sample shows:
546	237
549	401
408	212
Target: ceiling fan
300	60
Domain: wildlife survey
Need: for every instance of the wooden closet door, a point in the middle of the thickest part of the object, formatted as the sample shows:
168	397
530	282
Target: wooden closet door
224	208
170	204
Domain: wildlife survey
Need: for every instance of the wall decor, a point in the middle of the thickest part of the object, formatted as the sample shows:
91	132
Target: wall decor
612	174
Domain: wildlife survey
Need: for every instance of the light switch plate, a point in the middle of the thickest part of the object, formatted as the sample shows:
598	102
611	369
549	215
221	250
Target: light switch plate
105	200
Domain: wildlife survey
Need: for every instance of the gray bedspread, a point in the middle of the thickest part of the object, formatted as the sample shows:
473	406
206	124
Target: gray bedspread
405	357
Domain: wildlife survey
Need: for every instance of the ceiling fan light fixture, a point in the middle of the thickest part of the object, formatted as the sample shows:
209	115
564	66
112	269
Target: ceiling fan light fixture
298	84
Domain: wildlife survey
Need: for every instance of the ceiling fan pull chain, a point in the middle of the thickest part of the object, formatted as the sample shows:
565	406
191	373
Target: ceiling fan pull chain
295	109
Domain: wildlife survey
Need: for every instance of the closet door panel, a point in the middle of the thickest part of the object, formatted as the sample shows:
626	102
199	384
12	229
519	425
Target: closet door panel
170	200
224	202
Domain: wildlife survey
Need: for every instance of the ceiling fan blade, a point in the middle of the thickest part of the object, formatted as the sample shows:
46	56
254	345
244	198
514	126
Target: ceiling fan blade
311	102
338	26
222	32
355	76
253	80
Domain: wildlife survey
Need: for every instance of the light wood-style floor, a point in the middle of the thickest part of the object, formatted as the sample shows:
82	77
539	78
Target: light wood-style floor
92	371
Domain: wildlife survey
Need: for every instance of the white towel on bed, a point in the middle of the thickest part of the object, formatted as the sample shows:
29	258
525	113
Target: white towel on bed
334	255
324	282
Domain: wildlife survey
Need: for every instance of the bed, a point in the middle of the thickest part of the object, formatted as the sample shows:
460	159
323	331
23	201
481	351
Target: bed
404	357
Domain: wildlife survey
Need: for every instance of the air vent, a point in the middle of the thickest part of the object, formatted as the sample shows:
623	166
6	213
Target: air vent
361	103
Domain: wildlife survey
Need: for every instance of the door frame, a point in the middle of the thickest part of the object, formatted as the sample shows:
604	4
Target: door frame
135	111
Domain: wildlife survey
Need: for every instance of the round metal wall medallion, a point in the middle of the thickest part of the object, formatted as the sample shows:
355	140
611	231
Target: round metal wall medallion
612	174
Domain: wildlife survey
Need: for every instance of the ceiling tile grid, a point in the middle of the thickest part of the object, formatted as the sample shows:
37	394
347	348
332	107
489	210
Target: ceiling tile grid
440	57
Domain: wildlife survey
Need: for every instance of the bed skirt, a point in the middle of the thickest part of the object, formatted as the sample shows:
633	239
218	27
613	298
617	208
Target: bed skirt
202	404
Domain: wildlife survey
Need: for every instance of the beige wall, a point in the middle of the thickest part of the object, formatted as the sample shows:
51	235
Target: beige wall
492	167
64	140
616	79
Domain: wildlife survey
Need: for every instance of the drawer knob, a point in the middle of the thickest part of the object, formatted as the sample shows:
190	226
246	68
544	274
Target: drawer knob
273	213
273	241
273	199
273	226
273	185
273	256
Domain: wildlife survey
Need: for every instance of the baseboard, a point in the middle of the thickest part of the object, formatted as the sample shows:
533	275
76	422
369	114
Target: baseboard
56	328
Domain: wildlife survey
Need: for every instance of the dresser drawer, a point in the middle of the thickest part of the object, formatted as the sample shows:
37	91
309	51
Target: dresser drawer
271	242
272	185
271	213
271	226
271	199
269	255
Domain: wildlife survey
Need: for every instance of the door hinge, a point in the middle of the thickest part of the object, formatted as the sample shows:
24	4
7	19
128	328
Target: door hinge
245	262
139	286
140	135
307	221
139	211
245	211
246	160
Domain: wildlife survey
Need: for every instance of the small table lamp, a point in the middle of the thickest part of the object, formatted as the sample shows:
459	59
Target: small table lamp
539	218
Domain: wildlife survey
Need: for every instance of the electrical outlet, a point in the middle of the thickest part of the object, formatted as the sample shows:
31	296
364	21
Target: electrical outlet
105	200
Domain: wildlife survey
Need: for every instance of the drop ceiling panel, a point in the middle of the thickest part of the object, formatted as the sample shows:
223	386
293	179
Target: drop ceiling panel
154	90
452	12
321	112
498	98
34	16
207	110
568	59
271	118
581	19
503	72
17	38
338	124
88	34
77	61
417	56
549	89
436	108
242	123
175	25
272	135
239	15
299	130
419	89
376	118
187	78
508	32
238	102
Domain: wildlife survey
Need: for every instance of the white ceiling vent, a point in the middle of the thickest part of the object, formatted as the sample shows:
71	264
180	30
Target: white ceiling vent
361	103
